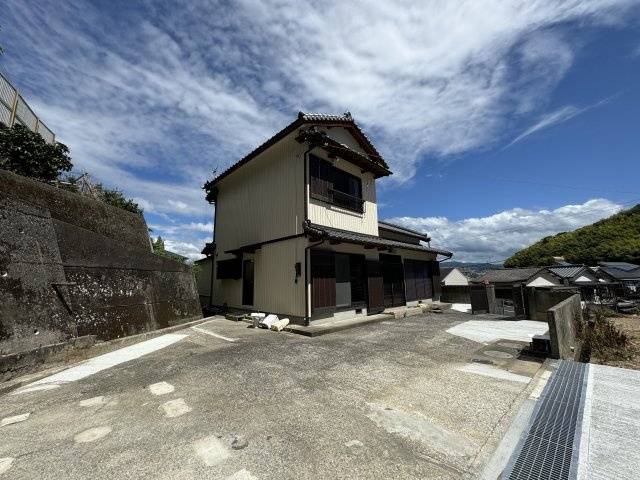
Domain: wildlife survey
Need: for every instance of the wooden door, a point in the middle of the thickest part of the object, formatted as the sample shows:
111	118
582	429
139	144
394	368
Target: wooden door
323	280
375	287
393	279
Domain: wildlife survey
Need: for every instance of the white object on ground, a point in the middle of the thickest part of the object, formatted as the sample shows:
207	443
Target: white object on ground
174	408
5	464
258	315
102	362
280	324
243	474
14	419
208	332
211	450
493	372
92	434
488	331
420	428
461	307
93	402
161	388
269	320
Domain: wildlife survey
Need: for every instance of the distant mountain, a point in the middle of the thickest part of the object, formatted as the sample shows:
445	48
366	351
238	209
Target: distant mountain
616	238
471	269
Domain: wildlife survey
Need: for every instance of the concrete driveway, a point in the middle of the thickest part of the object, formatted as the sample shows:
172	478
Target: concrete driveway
398	399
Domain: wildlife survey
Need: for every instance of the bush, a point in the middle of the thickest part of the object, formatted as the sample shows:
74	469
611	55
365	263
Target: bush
602	339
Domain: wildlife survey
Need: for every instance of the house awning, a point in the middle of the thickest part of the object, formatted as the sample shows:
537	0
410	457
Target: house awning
315	231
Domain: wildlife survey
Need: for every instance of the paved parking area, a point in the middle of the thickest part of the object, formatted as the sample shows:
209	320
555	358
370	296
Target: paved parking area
397	399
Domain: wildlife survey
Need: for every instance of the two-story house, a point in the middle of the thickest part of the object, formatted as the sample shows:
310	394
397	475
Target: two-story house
296	229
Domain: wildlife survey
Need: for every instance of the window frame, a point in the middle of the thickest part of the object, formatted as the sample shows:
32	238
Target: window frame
323	179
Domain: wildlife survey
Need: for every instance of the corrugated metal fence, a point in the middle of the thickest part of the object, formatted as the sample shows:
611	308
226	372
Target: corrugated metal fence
13	109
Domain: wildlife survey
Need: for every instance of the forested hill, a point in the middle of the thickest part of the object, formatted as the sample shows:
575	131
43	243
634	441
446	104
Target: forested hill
616	238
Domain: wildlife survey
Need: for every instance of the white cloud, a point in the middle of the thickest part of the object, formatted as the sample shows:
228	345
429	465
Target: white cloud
496	237
154	100
186	249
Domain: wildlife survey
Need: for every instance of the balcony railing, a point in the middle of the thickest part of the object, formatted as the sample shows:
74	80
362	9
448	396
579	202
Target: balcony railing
342	200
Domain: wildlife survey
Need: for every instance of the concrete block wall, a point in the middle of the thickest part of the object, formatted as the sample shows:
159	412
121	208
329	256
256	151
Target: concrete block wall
562	331
72	266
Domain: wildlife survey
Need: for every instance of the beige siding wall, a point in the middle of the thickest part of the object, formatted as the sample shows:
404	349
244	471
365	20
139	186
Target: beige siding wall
276	288
263	200
325	214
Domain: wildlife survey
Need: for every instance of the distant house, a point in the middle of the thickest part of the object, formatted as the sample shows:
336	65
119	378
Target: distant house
453	276
578	275
507	278
626	274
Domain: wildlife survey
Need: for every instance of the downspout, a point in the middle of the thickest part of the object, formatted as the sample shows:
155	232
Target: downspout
213	256
307	312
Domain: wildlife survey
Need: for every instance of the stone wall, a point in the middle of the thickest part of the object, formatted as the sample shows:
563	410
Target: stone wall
562	319
72	266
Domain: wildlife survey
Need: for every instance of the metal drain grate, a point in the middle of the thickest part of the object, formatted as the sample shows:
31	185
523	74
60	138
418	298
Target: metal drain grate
547	450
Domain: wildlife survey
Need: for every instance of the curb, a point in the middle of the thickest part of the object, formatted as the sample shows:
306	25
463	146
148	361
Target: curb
308	332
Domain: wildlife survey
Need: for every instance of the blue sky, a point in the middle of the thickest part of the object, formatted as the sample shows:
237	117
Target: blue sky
502	121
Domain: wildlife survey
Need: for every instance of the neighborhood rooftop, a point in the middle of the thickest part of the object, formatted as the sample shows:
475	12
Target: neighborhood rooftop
406	231
566	271
509	275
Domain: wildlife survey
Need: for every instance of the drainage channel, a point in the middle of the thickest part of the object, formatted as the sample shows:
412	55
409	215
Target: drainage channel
549	448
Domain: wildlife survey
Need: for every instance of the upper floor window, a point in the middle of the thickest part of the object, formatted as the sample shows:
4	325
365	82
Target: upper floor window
335	186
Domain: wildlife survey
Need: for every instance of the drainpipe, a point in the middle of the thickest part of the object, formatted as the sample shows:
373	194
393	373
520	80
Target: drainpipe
213	256
307	312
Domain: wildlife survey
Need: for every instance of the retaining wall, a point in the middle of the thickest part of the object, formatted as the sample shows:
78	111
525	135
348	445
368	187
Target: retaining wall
562	334
72	266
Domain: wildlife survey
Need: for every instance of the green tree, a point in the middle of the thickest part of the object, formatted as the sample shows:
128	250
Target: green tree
616	238
26	153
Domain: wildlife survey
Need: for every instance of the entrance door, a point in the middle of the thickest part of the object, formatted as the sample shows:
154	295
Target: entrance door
375	287
393	277
323	281
247	282
343	280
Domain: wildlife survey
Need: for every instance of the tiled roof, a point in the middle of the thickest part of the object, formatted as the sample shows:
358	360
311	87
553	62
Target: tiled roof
620	274
345	120
566	271
364	239
509	275
619	265
397	228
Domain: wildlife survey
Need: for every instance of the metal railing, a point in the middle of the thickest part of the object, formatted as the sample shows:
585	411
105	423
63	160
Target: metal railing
13	109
